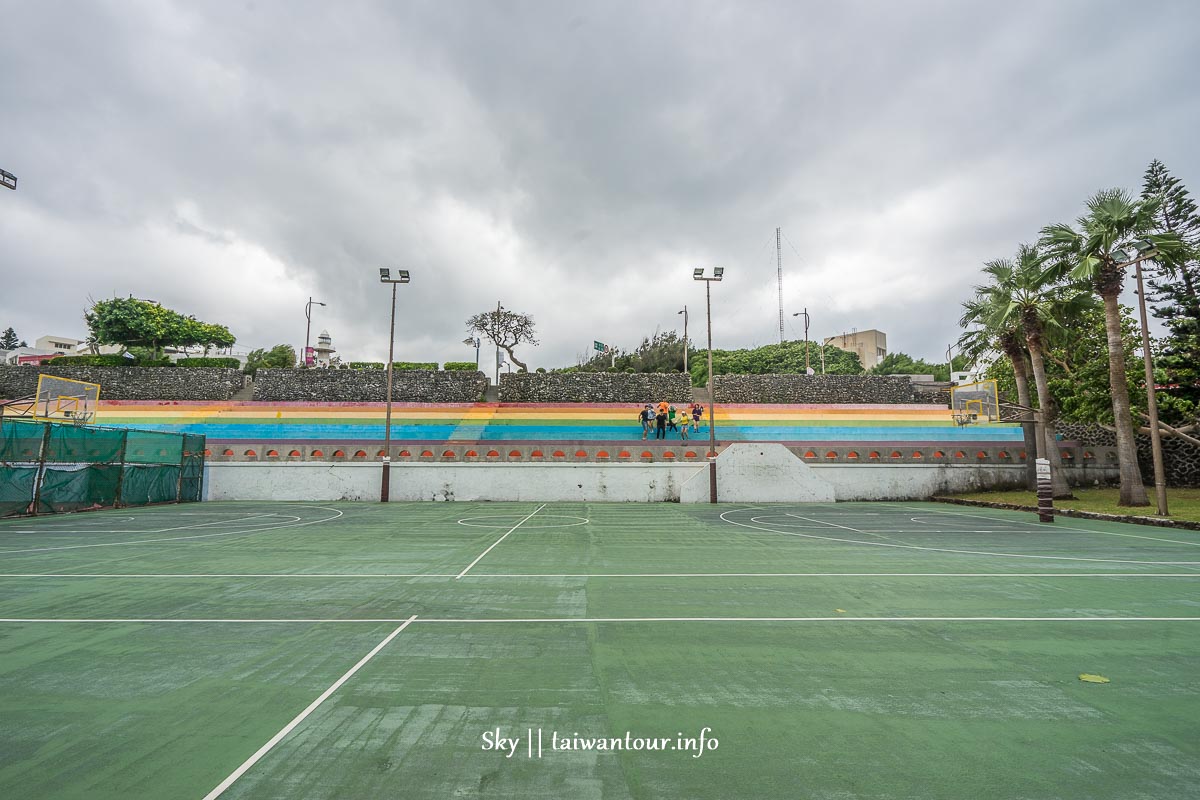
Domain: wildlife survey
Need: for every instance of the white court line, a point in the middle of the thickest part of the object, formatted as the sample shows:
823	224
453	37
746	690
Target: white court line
247	530
832	524
498	541
1042	524
497	620
262	751
944	549
391	575
43	530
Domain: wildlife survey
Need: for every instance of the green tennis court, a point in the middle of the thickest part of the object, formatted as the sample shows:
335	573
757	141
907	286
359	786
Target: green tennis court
352	650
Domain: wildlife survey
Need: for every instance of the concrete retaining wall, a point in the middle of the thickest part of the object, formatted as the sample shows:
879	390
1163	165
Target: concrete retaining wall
369	385
1181	459
130	383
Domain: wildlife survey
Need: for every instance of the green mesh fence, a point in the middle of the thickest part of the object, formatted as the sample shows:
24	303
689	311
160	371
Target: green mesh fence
47	467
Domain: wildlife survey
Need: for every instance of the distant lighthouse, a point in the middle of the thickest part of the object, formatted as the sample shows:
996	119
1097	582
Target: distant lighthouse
324	349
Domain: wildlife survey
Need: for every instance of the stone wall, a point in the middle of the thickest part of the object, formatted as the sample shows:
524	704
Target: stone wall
369	386
1181	459
130	383
594	387
818	389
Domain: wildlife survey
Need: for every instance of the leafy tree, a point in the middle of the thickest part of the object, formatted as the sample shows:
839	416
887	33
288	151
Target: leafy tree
904	364
661	353
9	340
281	356
1175	291
130	322
1092	251
786	358
507	329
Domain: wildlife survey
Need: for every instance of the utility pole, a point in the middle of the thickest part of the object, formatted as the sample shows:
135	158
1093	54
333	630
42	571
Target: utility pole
779	272
308	327
685	340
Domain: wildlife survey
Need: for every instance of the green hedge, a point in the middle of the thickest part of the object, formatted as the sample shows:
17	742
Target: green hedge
365	365
432	365
223	363
92	361
453	366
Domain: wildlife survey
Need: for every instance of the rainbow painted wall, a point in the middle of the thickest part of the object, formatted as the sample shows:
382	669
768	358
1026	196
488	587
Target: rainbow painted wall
534	422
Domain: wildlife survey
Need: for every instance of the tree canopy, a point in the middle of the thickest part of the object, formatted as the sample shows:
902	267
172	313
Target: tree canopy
281	356
9	340
130	322
507	329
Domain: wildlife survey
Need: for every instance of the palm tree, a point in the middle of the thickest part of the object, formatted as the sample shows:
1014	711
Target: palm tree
988	335
1093	252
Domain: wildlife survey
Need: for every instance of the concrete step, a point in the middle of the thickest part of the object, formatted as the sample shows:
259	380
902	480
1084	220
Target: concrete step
246	392
492	395
700	395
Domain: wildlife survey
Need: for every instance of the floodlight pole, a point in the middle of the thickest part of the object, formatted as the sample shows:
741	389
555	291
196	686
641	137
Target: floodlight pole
473	340
718	274
806	367
1160	473
385	483
308	326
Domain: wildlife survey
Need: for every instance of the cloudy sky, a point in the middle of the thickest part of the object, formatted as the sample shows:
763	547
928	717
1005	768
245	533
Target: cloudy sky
572	160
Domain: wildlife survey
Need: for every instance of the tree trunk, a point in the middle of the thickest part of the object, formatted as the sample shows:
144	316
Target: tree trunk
1133	491
514	359
1048	439
1020	371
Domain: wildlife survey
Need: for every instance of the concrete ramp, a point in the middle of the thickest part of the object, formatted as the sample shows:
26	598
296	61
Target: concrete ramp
759	473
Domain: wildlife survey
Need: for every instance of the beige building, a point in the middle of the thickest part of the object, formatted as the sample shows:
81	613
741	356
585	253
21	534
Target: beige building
63	345
871	345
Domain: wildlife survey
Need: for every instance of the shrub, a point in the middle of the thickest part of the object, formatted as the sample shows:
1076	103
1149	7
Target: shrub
465	366
540	370
223	363
366	365
431	365
92	361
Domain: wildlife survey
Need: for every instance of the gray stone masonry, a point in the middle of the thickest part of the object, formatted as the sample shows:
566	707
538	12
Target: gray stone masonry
1181	459
594	387
130	383
819	389
369	385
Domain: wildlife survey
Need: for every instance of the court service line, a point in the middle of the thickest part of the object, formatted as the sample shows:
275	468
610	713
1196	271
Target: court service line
249	531
478	575
498	541
262	751
47	529
946	549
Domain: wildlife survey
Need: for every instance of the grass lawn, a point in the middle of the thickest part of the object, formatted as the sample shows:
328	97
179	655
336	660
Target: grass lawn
1184	504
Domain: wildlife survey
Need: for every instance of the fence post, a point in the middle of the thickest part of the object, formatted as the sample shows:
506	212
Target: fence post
40	475
183	455
121	474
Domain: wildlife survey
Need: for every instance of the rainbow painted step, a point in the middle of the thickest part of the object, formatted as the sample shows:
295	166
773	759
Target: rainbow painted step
534	422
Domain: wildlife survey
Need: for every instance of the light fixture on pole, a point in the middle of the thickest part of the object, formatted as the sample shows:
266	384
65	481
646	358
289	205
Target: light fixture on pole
804	313
685	343
8	180
385	484
473	340
1146	250
718	274
308	327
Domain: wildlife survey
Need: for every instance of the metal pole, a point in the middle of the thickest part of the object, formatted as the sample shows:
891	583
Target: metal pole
477	343
1160	477
779	268
307	330
685	341
497	341
806	367
385	488
712	431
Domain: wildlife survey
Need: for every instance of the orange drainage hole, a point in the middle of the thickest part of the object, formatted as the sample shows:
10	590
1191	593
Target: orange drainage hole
896	454
207	452
810	454
710	454
405	454
581	454
272	454
559	454
960	454
602	454
918	454
381	454
624	454
250	453
493	453
852	454
831	454
426	454
294	454
647	454
534	454
339	453
469	454
447	454
938	454
1002	454
514	453
317	454
360	453
873	454
1086	454
981	454
668	454
690	454
227	452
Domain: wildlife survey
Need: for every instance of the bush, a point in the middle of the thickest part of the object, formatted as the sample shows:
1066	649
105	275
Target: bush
222	363
430	365
540	370
366	365
92	361
465	366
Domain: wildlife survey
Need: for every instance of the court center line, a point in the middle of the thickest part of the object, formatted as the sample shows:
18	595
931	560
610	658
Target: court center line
262	751
498	541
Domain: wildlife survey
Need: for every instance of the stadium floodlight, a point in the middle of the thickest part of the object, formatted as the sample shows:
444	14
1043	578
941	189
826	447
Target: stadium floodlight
473	342
1144	247
8	180
1120	256
385	483
718	274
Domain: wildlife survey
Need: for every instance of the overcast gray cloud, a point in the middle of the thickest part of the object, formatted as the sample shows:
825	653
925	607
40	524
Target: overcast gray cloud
571	160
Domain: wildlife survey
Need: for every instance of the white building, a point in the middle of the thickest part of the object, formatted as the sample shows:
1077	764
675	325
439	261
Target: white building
323	352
